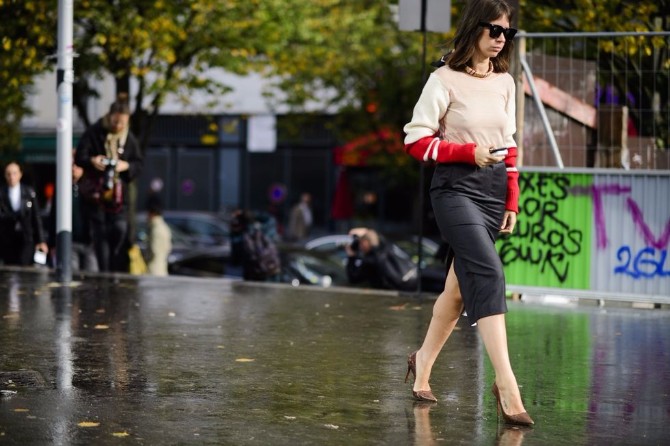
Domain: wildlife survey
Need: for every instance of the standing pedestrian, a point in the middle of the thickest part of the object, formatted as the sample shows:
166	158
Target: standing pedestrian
21	233
83	255
160	238
464	121
300	219
111	158
261	261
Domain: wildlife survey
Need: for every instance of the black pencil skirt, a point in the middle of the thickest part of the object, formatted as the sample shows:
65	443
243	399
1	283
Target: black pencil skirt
469	205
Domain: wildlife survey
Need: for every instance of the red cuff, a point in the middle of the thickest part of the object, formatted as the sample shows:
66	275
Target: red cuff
427	149
512	201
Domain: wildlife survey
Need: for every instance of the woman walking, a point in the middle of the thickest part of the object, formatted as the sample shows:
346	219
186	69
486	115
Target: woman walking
464	121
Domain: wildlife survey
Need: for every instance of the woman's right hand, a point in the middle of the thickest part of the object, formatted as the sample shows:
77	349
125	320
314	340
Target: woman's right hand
98	162
484	157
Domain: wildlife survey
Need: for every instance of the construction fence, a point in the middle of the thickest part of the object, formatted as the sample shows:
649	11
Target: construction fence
594	99
599	233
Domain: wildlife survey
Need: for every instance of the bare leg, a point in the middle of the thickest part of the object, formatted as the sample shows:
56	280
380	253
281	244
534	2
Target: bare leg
494	334
446	311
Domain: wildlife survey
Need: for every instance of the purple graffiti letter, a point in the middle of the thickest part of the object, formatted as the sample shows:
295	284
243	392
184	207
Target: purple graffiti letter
597	192
638	219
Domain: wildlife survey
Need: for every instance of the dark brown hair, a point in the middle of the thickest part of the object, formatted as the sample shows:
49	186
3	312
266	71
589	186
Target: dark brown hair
120	105
468	33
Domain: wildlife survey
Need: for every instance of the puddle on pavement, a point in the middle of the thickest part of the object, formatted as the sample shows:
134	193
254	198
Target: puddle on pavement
211	361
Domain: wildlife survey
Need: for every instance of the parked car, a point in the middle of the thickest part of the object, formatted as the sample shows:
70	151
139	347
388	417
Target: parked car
303	267
198	262
429	249
403	246
205	228
199	229
433	273
200	242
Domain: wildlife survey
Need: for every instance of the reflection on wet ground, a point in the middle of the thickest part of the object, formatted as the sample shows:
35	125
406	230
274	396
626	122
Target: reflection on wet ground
180	361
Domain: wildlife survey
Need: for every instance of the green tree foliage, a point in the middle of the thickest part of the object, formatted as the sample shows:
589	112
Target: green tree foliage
166	46
345	55
27	38
350	56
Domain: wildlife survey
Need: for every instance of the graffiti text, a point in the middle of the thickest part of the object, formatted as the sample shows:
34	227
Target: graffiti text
647	262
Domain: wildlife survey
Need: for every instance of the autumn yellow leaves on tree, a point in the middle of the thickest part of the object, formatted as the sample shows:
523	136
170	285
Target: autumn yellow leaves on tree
27	39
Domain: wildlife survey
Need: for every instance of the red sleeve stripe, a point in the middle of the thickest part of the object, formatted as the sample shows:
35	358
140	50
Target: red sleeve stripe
432	150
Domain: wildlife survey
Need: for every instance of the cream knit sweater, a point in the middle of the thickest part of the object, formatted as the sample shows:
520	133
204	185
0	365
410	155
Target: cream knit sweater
465	109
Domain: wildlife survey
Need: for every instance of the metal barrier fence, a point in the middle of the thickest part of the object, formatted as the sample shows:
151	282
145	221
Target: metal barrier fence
595	99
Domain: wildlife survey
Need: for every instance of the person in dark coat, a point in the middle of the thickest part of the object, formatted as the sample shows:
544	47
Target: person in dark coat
111	158
83	255
21	232
371	261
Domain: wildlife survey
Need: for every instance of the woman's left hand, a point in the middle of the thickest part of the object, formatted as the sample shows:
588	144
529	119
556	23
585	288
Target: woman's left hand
508	223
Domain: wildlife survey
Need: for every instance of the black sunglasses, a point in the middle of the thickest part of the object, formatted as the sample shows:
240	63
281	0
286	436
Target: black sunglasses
496	30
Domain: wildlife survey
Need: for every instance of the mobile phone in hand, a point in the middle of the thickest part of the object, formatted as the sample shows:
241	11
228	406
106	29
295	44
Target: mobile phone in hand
499	151
40	257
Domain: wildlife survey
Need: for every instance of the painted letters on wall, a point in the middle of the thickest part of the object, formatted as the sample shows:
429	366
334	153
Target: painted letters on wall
602	232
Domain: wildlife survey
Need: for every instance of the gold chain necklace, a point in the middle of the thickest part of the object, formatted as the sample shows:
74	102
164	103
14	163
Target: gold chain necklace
475	73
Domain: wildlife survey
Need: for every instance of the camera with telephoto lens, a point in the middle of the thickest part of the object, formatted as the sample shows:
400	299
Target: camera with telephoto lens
110	170
355	243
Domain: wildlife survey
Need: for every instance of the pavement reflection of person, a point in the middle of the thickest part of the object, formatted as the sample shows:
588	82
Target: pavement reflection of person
13	316
423	431
511	436
300	219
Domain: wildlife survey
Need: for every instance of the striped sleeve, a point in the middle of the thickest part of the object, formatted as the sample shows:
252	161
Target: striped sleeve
432	148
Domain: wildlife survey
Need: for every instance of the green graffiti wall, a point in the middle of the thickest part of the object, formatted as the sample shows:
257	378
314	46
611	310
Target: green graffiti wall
552	241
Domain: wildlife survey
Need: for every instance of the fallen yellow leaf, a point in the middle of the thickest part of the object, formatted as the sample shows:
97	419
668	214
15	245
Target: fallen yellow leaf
88	424
220	346
101	327
244	360
21	410
120	434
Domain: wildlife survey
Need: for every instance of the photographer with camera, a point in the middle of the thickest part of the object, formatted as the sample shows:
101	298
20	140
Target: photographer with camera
111	158
373	262
363	258
370	262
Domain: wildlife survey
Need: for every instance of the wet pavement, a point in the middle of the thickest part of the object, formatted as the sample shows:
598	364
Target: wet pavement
123	360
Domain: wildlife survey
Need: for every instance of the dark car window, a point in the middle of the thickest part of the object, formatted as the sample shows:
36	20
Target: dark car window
206	231
203	227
